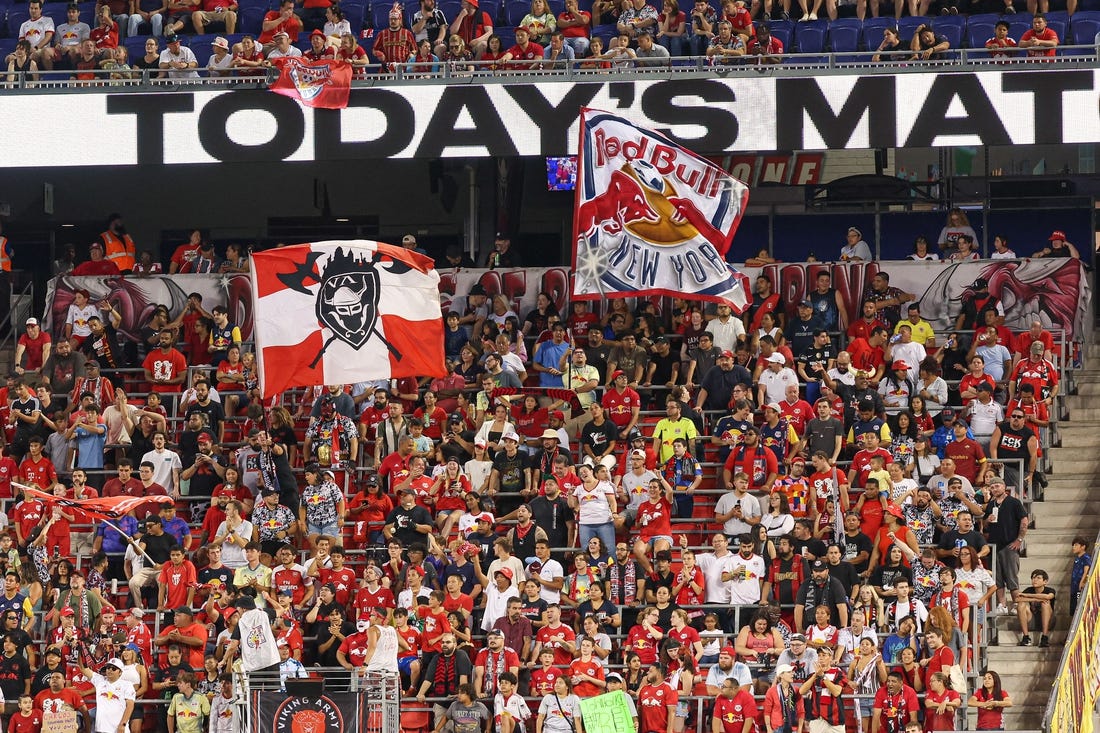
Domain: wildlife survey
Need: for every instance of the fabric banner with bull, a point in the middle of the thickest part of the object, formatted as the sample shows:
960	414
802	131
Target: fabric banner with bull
652	217
1055	292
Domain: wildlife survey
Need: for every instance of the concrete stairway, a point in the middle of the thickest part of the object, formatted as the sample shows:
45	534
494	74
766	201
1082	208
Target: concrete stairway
1066	511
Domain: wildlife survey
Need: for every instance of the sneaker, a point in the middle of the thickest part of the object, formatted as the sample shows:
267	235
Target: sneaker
1044	641
1010	10
813	16
784	15
1025	640
943	11
954	10
1002	609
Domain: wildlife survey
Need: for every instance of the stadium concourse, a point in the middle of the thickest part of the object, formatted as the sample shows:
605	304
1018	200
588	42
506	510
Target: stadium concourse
821	502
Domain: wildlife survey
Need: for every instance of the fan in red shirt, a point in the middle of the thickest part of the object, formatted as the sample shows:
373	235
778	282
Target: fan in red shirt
581	319
341	577
654	517
967	454
622	404
543	678
177	580
941	658
558	637
940	704
587	671
25	516
433	618
644	638
394	45
27	720
656	702
861	461
105	35
290	575
283	20
353	53
318	47
867	353
1036	371
1001	41
36	469
735	709
1040	41
825	480
525	54
58	696
371	594
795	410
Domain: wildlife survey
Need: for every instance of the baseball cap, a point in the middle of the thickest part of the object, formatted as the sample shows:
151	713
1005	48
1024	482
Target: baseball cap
281	33
485	517
798	637
805	304
113	662
205	436
1057	234
32	321
727	649
68	611
455	417
773	406
498	632
776	358
481	443
637	453
507	573
172	38
784	668
894	509
617	373
557	415
900	365
613	677
947	413
549	434
819	565
727	354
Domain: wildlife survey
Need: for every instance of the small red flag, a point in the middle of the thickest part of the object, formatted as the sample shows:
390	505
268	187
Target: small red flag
324	83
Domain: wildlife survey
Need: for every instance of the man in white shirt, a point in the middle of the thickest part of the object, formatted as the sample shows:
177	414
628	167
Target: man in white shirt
713	565
38	31
550	575
738	510
774	380
908	350
283	49
114	697
726	329
166	464
178	60
843	372
745	577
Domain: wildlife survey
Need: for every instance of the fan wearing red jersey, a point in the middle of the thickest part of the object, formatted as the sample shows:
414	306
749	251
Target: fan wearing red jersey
656	702
735	709
587	672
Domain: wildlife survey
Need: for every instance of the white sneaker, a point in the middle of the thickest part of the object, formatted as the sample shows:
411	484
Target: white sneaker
813	16
1002	609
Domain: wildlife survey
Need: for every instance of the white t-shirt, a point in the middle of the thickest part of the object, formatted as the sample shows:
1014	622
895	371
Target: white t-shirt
384	658
985	418
232	553
515	707
775	383
34	31
713	567
560	714
593	506
291	52
163	465
185	54
225	65
496	604
110	700
1006	255
551	570
725	334
748	574
750	507
69	35
637	487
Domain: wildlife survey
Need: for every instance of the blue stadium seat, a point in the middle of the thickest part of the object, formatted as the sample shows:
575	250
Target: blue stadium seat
514	10
1017	25
57	11
250	20
950	27
7	45
202	53
1059	27
1083	33
87	15
844	39
809	36
17	16
135	47
507	37
265	4
872	31
585	5
605	31
354	13
783	30
978	32
450	9
380	14
907	27
557	7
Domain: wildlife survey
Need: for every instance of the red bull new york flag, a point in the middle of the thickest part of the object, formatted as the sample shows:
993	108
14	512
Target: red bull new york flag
325	83
343	312
652	217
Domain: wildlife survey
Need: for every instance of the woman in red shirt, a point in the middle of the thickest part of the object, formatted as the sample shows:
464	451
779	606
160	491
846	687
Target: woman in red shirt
990	700
645	637
940	704
494	51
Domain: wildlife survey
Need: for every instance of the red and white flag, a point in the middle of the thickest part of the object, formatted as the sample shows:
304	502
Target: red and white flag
325	83
652	217
102	507
343	312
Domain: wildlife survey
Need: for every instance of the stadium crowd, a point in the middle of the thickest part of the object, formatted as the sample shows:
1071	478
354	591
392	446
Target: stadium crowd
732	519
515	35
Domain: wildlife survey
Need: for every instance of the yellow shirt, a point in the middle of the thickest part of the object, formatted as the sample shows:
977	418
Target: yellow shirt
922	330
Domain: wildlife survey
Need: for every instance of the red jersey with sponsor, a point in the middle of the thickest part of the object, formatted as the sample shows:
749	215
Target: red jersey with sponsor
732	713
542	680
366	599
687	595
653	702
864	356
861	463
355	648
553	638
643	644
105	37
529	52
1047	34
143	638
435	626
822	486
344	579
461	602
371	417
20	723
995	46
293	579
620	406
655	520
592	668
967	455
27	514
797	414
433	421
1042	375
579	324
38	473
176	580
687	636
49	701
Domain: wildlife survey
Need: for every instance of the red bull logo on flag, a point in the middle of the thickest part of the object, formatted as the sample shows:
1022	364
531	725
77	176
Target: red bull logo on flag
653	217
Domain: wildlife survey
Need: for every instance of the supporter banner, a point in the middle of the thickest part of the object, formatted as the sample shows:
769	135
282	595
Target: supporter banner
324	84
708	115
341	712
653	217
135	298
342	312
103	507
1057	292
1077	687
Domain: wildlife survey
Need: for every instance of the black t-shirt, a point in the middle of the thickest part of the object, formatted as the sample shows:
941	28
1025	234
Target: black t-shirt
815	547
14	672
41	678
404	523
217	578
552	516
169	672
887	577
598	437
533	610
852	546
26	407
808	356
205	479
973	538
157	547
1002	522
328	658
213	414
662	374
512	470
846	574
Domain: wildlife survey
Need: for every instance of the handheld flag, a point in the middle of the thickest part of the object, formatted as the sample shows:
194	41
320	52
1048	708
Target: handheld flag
652	217
342	312
325	83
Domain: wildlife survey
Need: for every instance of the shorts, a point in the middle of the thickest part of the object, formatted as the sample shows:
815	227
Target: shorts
404	663
326	529
139	712
207	18
652	541
865	706
1008	569
682	709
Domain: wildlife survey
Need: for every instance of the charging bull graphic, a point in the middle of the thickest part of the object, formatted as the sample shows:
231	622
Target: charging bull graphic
652	217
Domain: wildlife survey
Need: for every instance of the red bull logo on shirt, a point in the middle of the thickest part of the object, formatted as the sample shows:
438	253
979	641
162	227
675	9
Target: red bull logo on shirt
651	216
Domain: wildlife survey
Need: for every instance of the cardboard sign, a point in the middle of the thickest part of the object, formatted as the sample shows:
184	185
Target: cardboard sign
607	713
65	721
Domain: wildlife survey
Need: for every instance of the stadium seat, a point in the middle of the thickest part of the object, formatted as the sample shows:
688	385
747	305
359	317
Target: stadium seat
7	45
250	20
507	37
1059	27
872	31
514	10
1083	33
202	52
57	11
1017	25
87	15
978	32
783	30
950	27
450	9
355	13
844	38
380	14
265	4
605	32
17	16
557	7
135	46
809	36
907	27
